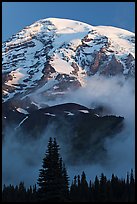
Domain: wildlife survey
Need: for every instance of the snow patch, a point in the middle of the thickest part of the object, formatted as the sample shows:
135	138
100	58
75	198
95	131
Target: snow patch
84	111
50	114
36	104
21	122
61	65
21	110
69	113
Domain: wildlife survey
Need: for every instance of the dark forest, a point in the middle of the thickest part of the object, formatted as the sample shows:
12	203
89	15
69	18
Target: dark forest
53	184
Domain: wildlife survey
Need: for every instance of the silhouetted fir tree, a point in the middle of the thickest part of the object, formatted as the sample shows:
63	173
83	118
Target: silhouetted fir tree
84	188
16	190
75	180
74	190
45	172
29	194
124	192
114	181
132	187
127	178
96	190
90	192
103	188
79	183
60	182
90	185
108	191
127	190
51	180
34	193
65	182
71	191
78	187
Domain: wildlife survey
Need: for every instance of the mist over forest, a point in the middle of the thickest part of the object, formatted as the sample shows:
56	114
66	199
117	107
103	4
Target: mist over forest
22	159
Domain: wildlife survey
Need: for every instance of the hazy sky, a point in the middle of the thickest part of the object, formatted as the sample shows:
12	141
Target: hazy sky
17	15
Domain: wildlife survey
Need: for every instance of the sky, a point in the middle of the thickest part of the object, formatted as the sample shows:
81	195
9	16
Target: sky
17	15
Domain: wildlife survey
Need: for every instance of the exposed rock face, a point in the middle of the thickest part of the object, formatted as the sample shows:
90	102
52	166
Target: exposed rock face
76	68
130	63
114	67
95	66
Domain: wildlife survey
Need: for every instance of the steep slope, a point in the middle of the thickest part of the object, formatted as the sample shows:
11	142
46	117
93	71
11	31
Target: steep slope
80	130
53	56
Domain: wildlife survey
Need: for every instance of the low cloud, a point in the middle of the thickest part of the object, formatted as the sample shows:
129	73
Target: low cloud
22	160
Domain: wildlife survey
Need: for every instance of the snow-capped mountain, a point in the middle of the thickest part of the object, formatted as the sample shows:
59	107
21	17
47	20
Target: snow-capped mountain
53	56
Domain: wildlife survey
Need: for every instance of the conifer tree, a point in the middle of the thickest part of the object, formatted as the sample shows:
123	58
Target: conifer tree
90	192
53	179
74	190
96	189
45	174
132	187
103	188
84	187
65	182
